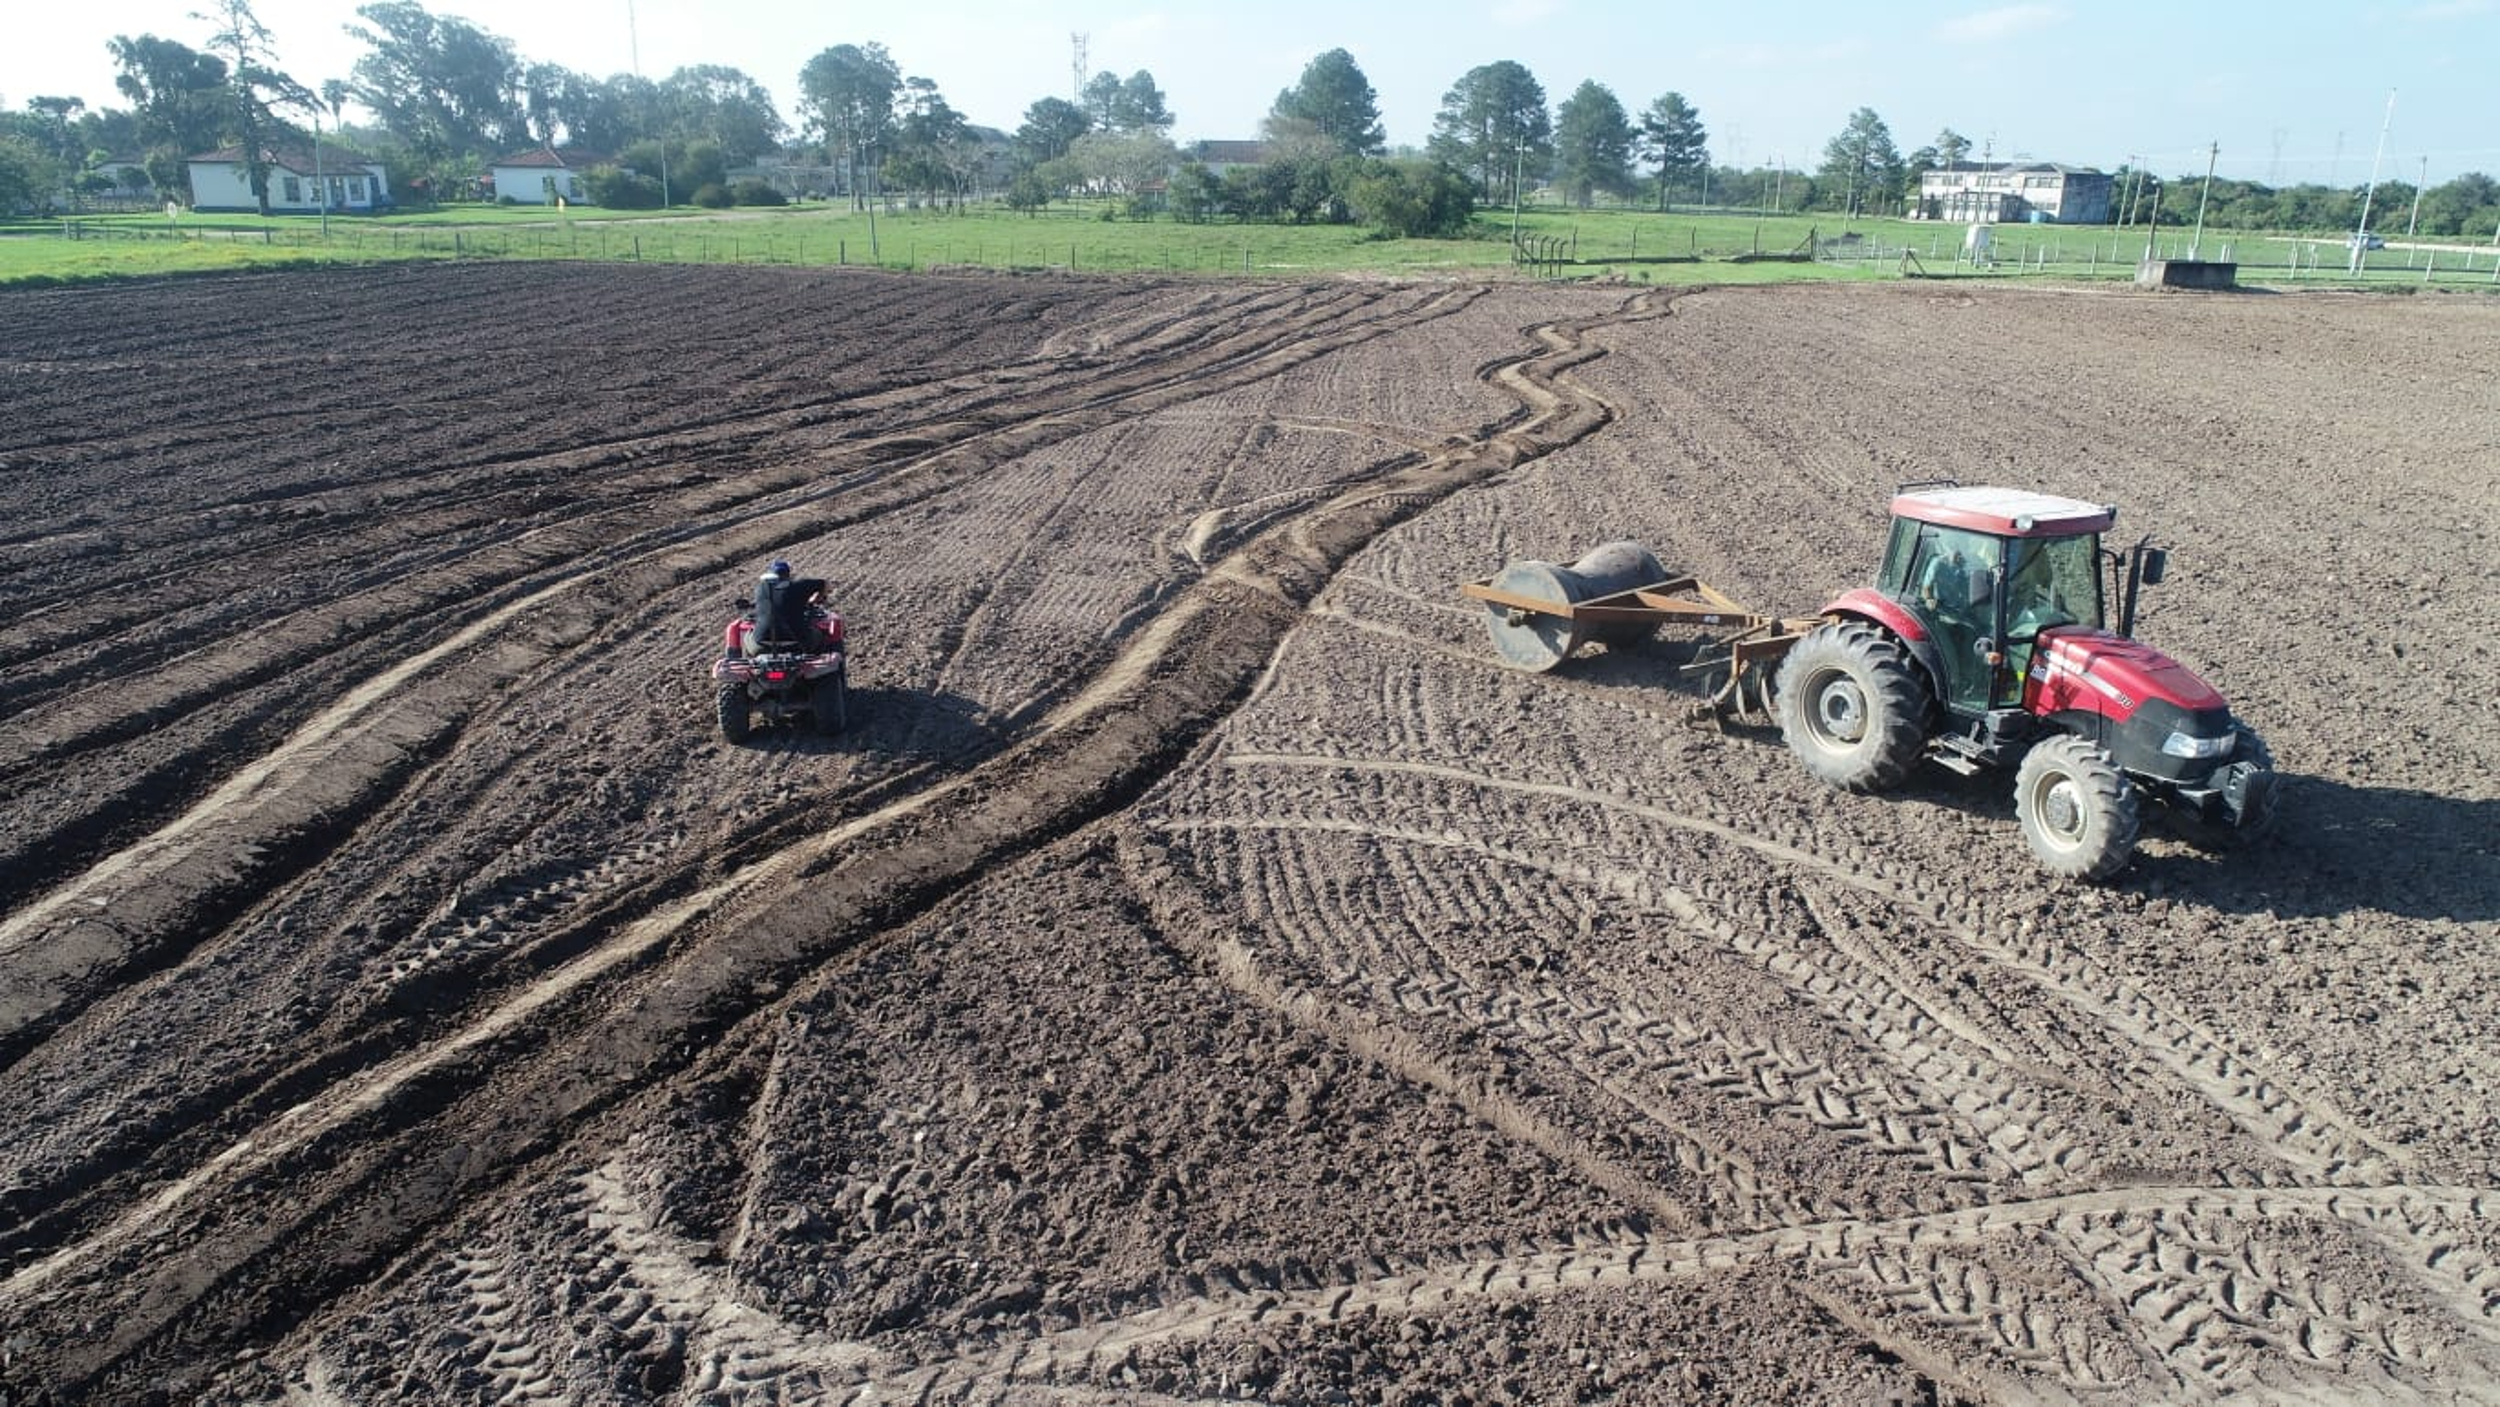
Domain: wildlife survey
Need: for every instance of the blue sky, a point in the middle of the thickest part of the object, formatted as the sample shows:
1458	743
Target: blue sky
2291	91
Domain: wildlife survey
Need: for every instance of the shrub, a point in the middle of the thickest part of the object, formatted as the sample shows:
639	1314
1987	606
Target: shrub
619	189
755	192
1411	199
713	196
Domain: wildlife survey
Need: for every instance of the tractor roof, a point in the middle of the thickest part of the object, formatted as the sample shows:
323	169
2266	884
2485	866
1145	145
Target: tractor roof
2005	512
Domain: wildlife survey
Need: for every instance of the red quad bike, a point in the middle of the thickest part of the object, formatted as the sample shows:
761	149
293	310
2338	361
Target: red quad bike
1982	645
785	674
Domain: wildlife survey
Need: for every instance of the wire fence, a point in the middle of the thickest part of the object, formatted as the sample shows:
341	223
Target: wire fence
2024	251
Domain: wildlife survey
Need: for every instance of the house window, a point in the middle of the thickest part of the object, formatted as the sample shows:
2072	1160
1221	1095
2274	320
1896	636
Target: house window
356	190
294	191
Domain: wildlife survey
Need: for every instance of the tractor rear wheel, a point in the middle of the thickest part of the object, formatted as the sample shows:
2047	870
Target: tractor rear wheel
2078	811
734	714
1852	706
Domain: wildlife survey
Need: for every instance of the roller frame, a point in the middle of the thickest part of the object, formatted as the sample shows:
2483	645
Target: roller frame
1746	658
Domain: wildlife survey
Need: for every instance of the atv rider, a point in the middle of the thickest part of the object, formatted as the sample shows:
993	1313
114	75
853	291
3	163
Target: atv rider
782	613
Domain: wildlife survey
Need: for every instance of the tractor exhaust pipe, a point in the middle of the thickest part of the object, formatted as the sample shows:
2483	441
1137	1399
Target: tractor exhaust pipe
2144	564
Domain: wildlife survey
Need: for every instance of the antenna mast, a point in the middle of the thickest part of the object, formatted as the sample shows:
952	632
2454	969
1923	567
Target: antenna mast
1076	43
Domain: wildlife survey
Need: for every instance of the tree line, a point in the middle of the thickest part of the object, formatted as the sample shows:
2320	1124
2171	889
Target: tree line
447	98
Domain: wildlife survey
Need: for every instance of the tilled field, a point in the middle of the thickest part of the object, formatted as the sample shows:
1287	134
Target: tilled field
1201	973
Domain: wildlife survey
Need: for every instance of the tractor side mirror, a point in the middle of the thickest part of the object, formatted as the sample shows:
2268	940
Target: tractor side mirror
2156	562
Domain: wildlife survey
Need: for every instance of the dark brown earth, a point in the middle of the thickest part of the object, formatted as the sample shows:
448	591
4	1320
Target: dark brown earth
1200	972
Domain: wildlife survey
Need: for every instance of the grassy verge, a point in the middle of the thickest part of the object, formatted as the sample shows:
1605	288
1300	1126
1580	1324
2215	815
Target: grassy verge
1638	246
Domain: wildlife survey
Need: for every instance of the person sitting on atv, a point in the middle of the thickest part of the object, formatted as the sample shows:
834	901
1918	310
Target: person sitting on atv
781	610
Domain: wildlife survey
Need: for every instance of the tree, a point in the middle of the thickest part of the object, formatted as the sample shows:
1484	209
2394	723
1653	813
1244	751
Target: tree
443	87
1493	126
1674	141
179	95
1336	101
1195	193
1950	147
560	107
1123	163
256	88
846	97
1592	144
1050	126
725	107
1131	104
1858	163
27	176
934	149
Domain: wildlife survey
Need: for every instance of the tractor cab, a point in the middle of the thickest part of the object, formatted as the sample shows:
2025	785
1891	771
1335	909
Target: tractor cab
1980	572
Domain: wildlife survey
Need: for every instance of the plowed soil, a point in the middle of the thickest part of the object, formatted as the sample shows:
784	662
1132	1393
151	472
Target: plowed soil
1200	972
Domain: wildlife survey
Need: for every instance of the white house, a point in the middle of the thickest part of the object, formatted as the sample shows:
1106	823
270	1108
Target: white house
2040	191
221	181
542	176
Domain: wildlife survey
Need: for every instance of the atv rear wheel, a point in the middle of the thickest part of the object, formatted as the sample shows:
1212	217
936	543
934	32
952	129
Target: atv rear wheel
734	712
831	703
2078	811
1852	707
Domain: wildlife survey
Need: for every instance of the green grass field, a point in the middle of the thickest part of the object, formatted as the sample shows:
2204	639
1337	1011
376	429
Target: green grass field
1634	246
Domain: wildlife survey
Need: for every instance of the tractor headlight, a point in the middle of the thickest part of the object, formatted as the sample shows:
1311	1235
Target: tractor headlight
2186	745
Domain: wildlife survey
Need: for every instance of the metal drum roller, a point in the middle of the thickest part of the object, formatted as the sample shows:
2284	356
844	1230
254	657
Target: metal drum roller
1535	641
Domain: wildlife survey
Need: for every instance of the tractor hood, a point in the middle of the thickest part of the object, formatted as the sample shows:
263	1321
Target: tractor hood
2094	671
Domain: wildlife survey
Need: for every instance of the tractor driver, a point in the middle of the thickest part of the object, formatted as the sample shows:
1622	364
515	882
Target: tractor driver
1956	585
780	605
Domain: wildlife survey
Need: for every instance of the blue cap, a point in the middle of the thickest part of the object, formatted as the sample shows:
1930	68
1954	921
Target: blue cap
781	568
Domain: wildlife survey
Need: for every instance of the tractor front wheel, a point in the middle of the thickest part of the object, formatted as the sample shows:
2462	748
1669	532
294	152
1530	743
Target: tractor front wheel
2078	811
2256	819
734	713
1852	707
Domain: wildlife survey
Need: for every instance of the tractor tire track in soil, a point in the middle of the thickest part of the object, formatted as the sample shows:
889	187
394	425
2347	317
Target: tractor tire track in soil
507	1084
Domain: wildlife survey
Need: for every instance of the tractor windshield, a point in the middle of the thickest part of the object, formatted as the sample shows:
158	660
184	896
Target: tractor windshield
2051	581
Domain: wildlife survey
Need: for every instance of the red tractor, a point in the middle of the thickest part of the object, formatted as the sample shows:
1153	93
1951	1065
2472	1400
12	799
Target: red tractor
1982	643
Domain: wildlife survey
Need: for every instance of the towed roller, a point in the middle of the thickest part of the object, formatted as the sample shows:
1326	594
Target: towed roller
1538	639
1540	614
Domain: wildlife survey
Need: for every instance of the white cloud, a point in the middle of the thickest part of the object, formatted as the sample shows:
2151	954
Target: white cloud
2004	22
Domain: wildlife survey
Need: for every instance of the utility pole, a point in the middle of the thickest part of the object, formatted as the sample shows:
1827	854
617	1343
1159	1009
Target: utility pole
321	187
633	50
2196	244
2361	232
1518	165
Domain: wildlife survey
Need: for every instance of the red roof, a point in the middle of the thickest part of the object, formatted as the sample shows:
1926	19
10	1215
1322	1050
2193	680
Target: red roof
549	159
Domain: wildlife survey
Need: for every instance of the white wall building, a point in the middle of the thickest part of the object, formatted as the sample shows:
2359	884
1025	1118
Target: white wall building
221	180
542	176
